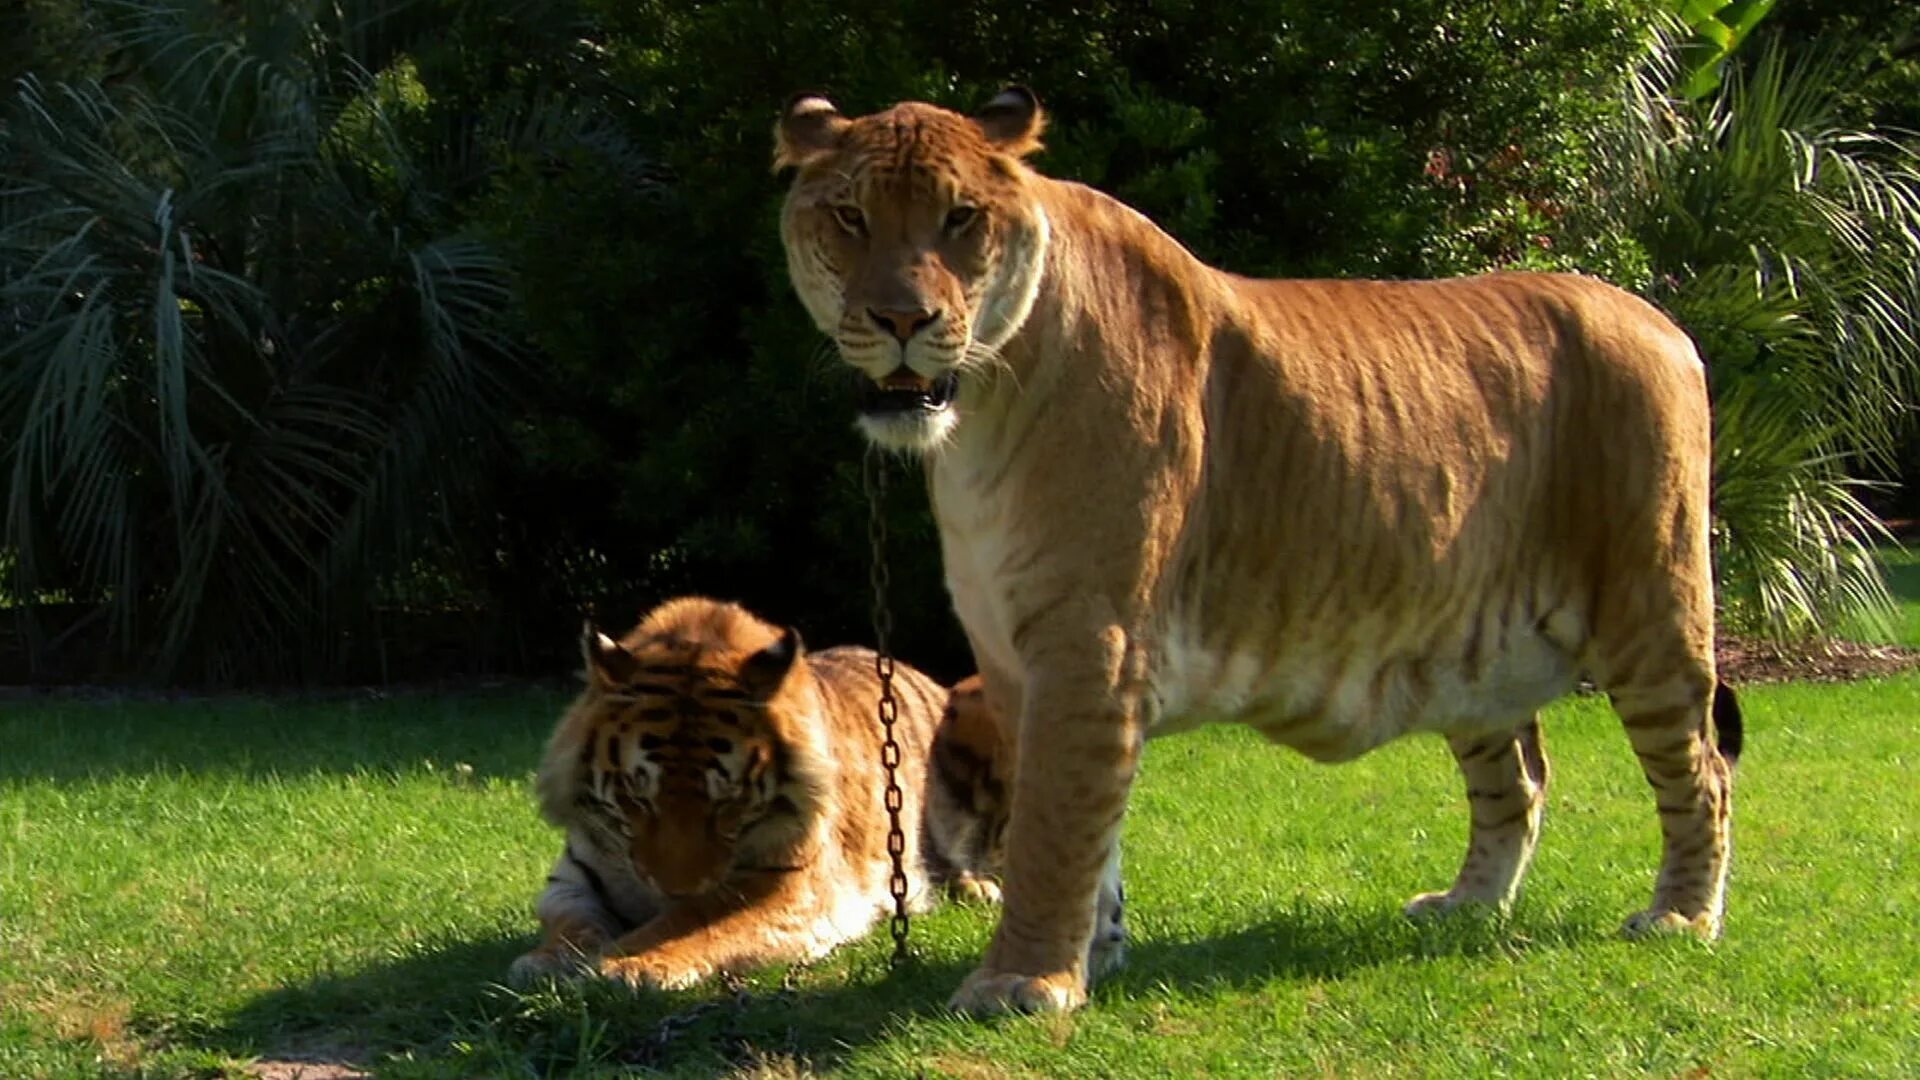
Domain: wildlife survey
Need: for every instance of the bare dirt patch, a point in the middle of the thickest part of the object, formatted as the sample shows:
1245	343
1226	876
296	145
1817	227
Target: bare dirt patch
314	1062
85	1016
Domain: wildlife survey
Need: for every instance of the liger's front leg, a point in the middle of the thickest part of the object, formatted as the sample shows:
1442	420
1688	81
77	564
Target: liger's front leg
1079	749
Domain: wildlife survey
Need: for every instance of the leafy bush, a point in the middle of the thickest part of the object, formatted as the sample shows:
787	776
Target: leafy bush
695	432
1789	245
265	283
250	362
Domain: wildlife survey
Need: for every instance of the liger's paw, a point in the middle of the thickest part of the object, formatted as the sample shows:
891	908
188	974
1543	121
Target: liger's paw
1660	922
649	973
990	993
1431	904
1428	904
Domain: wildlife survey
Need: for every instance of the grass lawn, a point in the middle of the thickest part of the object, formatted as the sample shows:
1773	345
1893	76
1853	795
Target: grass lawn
187	887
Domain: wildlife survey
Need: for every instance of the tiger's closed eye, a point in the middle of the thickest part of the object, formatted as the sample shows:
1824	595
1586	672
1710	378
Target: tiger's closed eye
959	218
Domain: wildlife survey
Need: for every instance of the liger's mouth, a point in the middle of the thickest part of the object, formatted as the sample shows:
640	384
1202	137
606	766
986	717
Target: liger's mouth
904	391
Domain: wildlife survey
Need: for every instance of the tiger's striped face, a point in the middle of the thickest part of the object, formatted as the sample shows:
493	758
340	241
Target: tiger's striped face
680	758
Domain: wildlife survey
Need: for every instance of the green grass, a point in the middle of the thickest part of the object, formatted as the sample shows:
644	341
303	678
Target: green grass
189	886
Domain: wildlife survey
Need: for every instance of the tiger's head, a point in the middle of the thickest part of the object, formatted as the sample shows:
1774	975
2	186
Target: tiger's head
683	749
915	242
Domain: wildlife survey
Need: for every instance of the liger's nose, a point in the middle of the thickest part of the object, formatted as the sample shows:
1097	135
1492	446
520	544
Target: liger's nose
903	324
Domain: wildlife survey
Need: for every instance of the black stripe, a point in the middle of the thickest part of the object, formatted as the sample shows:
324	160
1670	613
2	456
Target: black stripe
1498	824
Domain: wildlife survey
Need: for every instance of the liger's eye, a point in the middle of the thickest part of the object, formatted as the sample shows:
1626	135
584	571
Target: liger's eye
851	219
960	217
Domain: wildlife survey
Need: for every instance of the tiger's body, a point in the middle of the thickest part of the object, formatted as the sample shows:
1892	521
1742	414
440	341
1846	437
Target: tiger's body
1338	511
970	790
722	795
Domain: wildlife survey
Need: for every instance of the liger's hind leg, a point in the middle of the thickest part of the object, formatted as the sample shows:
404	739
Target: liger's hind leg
1107	950
1506	777
1693	788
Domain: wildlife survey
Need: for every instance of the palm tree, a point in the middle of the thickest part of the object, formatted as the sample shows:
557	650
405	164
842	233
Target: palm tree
246	364
1789	247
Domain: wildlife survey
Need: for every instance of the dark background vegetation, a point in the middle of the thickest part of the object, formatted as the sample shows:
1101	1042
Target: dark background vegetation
481	321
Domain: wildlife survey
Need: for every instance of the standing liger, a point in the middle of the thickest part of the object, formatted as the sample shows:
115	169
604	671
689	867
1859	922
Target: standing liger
1338	511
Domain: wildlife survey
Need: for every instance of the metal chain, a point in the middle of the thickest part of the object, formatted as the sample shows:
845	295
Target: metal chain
874	477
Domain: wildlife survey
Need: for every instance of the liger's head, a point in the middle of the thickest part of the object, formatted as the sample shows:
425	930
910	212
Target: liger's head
912	239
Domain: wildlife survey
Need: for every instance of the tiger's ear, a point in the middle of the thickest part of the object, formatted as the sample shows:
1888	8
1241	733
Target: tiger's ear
1012	121
809	129
765	670
608	663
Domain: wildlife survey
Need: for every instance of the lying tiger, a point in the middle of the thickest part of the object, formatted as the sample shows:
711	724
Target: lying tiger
722	795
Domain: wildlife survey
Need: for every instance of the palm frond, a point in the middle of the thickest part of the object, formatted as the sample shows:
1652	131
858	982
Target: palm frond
1788	246
1793	542
242	370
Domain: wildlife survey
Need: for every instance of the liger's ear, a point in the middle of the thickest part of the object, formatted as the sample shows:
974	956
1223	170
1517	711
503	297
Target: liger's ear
765	670
1012	121
808	130
608	663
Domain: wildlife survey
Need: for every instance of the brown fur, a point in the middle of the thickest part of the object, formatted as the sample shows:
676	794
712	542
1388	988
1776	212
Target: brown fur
1338	511
722	789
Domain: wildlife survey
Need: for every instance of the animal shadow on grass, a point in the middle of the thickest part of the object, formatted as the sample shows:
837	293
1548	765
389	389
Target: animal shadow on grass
1326	941
445	999
355	1015
486	735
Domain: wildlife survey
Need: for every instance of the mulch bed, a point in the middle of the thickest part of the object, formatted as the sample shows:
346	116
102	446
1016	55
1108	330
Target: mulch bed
1743	662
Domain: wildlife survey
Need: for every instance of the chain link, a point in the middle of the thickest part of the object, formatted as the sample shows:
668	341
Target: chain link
874	477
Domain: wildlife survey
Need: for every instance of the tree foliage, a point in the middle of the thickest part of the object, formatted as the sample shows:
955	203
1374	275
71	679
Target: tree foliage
249	351
1788	244
311	312
696	432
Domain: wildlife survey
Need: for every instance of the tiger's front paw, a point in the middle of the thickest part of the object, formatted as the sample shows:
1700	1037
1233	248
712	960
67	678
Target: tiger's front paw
1657	922
546	965
990	993
650	973
969	888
